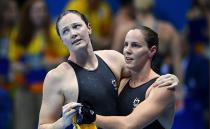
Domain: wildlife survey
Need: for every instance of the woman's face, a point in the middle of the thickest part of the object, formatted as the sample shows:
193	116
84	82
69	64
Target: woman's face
38	13
74	32
136	51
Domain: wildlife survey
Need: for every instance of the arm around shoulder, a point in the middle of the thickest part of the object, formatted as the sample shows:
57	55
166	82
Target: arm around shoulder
158	101
114	60
111	54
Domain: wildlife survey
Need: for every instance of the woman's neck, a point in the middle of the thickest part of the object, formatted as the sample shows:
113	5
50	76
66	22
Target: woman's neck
85	58
140	77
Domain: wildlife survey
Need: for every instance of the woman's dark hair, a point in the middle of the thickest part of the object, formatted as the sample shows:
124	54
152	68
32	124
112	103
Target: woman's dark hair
82	16
26	26
151	38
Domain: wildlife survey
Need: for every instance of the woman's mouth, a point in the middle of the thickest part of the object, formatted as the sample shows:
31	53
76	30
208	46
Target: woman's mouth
76	41
128	59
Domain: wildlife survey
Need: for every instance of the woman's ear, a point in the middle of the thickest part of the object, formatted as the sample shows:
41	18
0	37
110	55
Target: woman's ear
89	29
153	51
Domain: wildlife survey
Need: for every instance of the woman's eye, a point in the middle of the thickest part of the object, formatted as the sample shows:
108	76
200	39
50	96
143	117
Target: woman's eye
136	45
125	44
76	26
65	31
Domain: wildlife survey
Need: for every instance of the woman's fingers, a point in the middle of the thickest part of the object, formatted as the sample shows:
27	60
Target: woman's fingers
69	106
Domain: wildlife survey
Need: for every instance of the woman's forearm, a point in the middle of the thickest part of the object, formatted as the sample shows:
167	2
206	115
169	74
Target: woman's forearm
111	122
59	124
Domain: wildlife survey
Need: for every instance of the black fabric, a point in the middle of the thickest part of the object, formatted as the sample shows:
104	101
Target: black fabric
86	113
97	87
130	97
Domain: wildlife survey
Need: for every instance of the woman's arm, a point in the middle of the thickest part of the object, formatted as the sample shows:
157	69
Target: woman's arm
158	101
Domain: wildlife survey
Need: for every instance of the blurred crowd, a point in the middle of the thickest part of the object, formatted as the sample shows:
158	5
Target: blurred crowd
30	47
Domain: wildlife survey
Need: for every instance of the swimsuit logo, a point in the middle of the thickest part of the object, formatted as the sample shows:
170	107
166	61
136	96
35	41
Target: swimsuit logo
136	102
91	112
114	83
